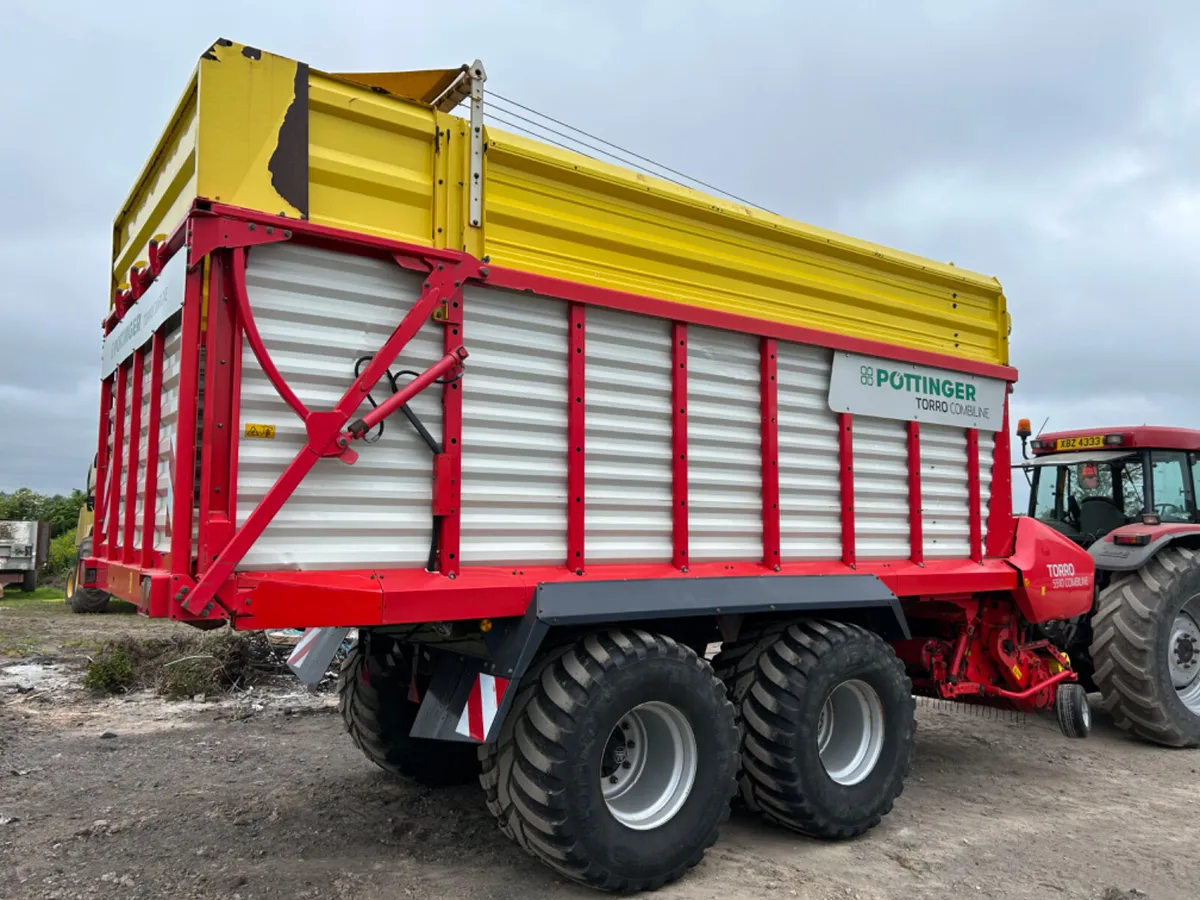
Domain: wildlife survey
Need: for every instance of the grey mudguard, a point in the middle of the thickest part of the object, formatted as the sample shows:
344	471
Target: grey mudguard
1126	558
514	643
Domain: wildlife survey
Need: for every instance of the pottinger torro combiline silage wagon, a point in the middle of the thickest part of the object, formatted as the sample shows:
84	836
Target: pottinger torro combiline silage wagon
541	429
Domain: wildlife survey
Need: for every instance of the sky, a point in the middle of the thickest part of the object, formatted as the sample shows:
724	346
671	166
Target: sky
1054	146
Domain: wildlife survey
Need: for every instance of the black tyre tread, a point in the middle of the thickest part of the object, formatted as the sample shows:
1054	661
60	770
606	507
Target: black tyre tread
735	665
1128	671
1069	708
523	791
428	762
86	600
781	668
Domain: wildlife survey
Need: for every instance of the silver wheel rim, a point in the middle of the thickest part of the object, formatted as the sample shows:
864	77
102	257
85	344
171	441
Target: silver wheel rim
850	732
649	766
1183	655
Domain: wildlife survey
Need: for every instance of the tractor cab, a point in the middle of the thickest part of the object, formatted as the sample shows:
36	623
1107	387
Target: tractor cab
1087	484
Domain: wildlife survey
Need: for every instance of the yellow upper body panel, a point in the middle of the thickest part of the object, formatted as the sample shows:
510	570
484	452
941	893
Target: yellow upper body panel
374	154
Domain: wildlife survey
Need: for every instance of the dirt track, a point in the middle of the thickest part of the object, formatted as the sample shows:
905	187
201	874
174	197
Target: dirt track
264	796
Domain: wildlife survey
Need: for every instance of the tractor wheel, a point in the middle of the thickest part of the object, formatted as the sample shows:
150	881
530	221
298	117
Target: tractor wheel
1146	648
81	599
373	697
616	764
829	723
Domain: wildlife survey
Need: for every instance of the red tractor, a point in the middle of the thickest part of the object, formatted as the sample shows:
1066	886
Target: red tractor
1129	496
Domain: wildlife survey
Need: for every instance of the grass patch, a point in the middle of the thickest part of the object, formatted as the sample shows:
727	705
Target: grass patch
15	598
182	666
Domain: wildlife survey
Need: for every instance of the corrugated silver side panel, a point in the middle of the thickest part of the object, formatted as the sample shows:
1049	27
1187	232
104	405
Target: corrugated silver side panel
944	497
987	447
318	313
810	517
724	446
143	447
168	427
629	470
514	451
881	525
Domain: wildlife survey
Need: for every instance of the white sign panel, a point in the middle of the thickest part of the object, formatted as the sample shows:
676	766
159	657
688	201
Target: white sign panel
162	299
868	386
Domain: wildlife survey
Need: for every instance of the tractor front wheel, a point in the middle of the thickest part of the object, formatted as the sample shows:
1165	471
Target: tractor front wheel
81	599
1146	648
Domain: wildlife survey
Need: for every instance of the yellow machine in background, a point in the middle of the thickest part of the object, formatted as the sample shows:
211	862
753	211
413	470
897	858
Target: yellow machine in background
85	599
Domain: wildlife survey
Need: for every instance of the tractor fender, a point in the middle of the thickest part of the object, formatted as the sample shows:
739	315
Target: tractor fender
1113	557
468	697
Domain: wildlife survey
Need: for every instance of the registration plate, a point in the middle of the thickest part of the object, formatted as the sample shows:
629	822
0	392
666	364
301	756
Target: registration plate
1080	443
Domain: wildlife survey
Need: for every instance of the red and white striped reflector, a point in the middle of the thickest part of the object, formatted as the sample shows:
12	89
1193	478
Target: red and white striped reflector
477	716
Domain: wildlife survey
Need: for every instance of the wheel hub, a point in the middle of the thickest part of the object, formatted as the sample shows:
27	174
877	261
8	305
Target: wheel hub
649	766
850	732
1183	658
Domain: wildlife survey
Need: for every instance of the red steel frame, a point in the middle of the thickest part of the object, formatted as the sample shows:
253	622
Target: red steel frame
197	579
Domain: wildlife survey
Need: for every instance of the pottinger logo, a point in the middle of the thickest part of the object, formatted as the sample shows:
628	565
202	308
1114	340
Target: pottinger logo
866	376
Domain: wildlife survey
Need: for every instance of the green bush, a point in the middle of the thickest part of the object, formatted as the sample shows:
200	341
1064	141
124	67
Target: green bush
62	554
111	672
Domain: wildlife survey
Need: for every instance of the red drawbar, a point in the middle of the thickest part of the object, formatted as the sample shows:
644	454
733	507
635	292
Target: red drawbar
974	494
679	440
916	536
846	459
769	407
576	437
153	426
128	550
113	530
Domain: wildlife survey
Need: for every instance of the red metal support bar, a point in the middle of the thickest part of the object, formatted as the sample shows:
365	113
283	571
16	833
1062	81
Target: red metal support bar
769	405
974	495
448	467
576	435
846	463
360	427
113	530
128	549
1001	531
220	427
916	533
153	427
325	437
99	513
679	441
184	476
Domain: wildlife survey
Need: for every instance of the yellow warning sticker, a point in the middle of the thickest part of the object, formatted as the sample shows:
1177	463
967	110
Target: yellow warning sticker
254	430
1016	670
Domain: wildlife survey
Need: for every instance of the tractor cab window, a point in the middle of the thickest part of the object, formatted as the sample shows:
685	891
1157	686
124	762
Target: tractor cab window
1088	499
1173	500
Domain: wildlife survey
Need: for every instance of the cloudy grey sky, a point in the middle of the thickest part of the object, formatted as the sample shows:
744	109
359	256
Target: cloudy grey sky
1052	144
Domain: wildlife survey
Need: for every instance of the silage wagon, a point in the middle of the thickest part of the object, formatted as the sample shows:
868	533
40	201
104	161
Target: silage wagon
543	429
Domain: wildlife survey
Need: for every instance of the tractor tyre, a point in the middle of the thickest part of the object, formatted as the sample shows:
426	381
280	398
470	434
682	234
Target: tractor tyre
829	725
1146	648
373	696
81	599
617	762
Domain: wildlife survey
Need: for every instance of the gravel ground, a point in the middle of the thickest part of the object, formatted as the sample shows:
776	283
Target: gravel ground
262	795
